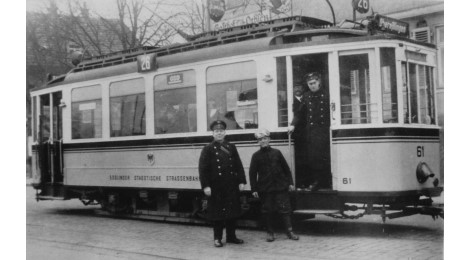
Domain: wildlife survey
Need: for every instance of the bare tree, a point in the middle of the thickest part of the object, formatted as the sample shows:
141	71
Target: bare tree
136	25
192	18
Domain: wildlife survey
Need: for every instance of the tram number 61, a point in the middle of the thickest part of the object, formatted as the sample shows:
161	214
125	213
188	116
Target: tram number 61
346	180
420	151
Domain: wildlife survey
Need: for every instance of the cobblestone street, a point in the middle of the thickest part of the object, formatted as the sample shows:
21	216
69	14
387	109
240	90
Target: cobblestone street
69	230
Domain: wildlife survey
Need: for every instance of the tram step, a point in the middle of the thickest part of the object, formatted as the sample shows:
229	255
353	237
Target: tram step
316	211
40	197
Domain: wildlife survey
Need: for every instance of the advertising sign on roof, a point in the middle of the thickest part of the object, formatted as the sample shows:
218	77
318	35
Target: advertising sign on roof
230	13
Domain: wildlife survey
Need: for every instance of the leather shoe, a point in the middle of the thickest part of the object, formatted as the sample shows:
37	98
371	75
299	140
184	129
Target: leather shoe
235	241
218	243
313	187
292	236
270	237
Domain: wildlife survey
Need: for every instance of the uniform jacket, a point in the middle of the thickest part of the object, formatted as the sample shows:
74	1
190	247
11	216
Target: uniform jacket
314	110
221	169
269	171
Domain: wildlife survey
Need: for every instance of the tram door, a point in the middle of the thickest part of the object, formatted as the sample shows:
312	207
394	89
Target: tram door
313	159
50	138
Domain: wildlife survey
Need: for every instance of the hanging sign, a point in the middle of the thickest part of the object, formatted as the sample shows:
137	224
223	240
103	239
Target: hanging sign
216	9
147	62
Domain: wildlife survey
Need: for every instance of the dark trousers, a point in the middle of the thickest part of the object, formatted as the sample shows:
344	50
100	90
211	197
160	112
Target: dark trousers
286	219
230	225
276	202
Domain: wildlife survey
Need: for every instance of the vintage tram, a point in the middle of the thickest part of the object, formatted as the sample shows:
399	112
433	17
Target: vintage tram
125	130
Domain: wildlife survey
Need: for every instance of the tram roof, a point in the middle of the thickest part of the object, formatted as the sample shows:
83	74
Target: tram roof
275	34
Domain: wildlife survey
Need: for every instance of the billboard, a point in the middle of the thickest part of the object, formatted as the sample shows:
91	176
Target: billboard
230	13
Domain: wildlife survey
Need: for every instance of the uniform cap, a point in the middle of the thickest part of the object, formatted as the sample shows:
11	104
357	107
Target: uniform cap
312	75
262	133
218	124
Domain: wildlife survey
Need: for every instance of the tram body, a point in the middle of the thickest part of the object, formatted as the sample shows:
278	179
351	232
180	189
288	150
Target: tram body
102	132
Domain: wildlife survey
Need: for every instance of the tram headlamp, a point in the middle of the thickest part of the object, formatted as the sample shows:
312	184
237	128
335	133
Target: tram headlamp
423	172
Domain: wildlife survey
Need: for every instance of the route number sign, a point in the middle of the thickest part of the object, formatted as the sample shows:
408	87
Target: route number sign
146	62
362	6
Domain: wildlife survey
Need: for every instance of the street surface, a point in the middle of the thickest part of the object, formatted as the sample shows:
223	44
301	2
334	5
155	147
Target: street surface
69	230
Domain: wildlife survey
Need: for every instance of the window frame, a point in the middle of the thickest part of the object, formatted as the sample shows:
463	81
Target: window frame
192	83
128	91
100	98
252	76
374	91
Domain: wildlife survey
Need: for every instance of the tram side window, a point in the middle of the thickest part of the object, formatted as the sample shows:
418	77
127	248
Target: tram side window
34	121
281	91
389	85
127	107
44	118
356	107
232	95
86	112
419	96
175	102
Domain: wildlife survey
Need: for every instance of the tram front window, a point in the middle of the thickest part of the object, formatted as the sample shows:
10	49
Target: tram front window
86	112
233	97
127	107
389	85
356	106
418	94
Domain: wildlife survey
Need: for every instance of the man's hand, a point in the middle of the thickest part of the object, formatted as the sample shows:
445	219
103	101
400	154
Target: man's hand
290	129
207	191
241	186
291	188
255	194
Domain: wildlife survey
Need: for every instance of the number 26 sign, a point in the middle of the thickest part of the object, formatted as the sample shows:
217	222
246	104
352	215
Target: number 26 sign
362	6
146	62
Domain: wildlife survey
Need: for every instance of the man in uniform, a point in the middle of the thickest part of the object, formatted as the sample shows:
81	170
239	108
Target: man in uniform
314	112
222	178
271	181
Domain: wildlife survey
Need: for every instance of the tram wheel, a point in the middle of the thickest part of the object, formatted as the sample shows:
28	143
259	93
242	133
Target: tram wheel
116	203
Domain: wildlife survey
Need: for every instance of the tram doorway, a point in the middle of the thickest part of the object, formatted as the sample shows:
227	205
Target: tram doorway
311	109
50	138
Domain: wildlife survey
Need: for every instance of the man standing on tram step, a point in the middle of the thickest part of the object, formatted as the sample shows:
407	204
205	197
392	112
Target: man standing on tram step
314	112
271	181
222	178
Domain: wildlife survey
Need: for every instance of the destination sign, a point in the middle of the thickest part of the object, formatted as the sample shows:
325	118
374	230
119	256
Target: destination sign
391	25
174	78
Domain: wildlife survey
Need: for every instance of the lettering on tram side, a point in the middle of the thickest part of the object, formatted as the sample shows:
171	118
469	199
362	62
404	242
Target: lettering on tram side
147	178
119	177
182	178
151	178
